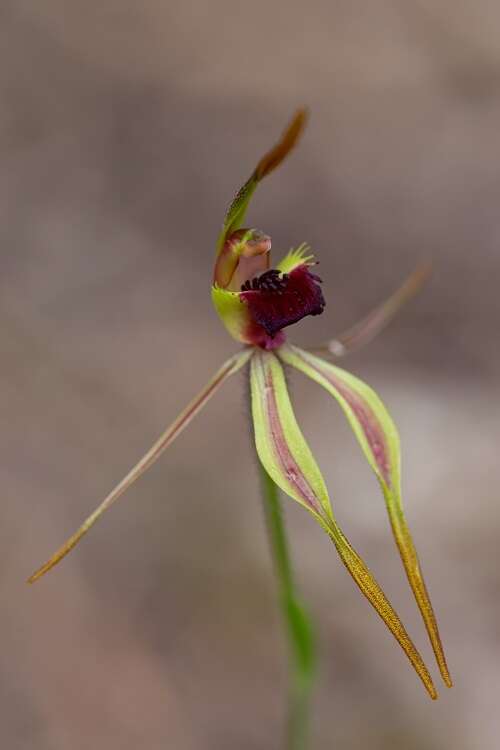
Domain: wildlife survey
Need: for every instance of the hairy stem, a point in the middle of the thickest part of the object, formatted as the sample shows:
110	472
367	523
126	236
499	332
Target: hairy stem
302	652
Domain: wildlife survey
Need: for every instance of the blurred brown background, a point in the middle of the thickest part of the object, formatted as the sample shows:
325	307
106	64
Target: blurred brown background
125	128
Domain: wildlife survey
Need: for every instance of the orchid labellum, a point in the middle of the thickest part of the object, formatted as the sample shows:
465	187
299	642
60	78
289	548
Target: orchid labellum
256	302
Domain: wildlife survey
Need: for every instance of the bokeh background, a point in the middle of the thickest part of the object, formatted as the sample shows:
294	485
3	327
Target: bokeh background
125	128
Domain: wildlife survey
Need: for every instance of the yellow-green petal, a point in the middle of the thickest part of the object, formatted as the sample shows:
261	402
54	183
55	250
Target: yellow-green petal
288	460
379	440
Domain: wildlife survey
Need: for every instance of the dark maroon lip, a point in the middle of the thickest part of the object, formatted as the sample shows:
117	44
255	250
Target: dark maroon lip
277	300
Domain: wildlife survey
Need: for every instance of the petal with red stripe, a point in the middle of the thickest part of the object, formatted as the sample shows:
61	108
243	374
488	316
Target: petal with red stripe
379	440
288	460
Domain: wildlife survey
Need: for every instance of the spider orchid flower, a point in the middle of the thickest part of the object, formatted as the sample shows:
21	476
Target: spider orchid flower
256	303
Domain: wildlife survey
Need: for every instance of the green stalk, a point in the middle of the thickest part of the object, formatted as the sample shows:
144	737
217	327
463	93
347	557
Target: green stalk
302	651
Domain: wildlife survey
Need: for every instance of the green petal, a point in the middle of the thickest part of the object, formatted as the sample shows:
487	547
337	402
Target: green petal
379	440
170	434
288	460
269	162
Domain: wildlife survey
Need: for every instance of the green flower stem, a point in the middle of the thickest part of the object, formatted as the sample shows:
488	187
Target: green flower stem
302	651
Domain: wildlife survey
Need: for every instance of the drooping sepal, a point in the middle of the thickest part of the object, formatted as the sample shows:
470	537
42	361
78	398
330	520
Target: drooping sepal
280	444
288	460
230	367
379	440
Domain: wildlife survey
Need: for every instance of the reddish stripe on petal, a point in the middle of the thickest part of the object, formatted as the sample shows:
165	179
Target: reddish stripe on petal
370	425
288	463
